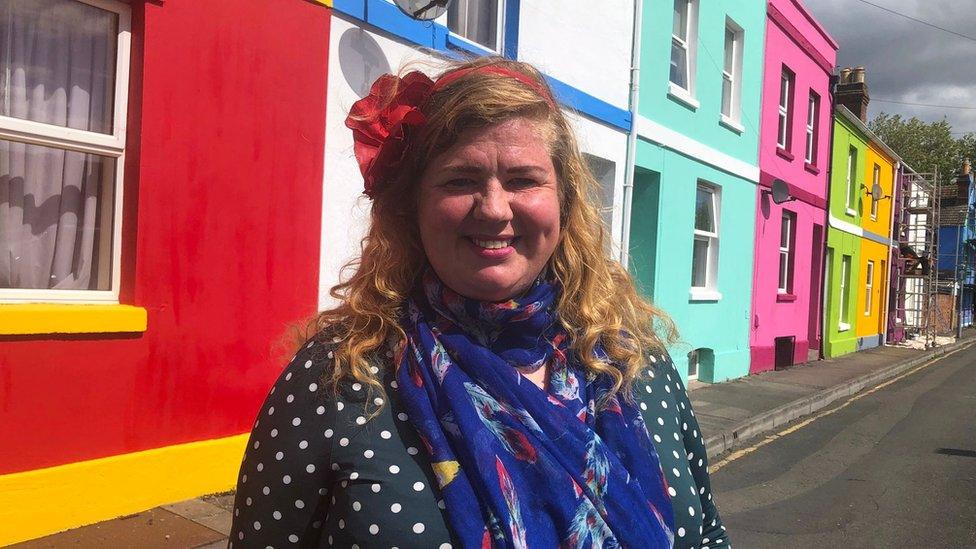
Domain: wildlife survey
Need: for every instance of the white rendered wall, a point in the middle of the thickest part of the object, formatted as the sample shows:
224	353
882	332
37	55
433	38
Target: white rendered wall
584	44
356	58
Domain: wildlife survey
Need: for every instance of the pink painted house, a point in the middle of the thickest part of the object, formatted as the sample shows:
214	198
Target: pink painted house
794	154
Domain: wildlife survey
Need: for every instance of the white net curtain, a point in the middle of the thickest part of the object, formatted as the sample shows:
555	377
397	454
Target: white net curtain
57	67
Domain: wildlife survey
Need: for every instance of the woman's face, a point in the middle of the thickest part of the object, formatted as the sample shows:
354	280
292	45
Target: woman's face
489	210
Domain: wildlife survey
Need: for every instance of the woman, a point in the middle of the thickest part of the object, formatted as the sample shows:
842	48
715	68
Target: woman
488	374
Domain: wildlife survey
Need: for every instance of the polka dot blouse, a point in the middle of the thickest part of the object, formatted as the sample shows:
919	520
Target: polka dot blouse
320	472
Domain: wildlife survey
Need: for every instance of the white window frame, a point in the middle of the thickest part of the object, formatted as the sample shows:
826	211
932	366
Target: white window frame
845	273
876	180
869	288
499	32
813	113
786	82
708	292
787	228
733	117
690	44
849	199
108	145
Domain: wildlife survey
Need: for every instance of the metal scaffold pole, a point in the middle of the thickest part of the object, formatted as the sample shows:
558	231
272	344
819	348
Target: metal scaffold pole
916	234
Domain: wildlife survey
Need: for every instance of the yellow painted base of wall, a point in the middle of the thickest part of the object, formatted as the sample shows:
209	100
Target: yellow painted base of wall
48	318
46	501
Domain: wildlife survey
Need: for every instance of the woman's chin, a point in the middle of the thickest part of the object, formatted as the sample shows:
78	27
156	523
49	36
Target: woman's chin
489	288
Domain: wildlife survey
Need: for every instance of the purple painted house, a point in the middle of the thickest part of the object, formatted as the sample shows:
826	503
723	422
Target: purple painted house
794	154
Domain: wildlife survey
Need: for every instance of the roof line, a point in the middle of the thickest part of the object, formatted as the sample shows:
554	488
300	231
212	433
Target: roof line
846	113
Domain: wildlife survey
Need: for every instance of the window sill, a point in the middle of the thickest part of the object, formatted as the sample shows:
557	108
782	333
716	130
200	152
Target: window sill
682	96
704	294
785	297
784	153
50	318
851	212
842	327
731	124
811	168
463	44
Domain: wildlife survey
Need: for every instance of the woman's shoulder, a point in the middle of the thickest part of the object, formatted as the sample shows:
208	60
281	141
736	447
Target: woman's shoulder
659	388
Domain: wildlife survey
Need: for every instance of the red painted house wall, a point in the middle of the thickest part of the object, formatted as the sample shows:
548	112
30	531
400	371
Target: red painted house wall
223	203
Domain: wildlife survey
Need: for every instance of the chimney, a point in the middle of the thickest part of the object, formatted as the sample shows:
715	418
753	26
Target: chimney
962	183
852	92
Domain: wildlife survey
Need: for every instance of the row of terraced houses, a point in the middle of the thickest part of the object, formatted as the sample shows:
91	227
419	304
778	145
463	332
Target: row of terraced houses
177	188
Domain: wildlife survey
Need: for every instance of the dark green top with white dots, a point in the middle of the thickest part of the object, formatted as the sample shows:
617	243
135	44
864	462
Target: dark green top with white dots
318	472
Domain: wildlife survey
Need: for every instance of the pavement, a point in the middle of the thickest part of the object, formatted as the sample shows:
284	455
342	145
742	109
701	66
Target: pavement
729	414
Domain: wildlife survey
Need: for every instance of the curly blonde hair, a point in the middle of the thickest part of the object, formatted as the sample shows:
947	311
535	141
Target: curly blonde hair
599	303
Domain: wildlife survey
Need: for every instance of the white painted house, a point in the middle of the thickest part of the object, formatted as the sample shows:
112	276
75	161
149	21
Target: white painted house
588	66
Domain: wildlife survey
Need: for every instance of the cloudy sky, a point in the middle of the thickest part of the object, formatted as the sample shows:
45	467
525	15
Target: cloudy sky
908	61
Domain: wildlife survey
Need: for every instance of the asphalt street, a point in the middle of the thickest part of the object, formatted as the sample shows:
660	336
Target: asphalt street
892	468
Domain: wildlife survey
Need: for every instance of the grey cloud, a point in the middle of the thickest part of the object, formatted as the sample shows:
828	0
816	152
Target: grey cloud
907	61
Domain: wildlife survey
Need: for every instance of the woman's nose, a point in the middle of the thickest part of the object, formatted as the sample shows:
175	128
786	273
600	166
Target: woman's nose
493	204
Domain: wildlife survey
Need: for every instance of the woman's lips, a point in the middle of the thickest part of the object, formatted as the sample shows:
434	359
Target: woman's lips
492	248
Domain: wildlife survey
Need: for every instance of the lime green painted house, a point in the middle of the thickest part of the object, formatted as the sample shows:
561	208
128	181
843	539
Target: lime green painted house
844	235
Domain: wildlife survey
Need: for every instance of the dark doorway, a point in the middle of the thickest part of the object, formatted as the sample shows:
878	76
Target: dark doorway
816	268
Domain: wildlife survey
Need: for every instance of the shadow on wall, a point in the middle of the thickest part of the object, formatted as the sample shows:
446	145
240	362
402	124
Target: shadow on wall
361	60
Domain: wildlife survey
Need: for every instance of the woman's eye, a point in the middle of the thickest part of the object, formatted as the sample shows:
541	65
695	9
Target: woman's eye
460	183
522	182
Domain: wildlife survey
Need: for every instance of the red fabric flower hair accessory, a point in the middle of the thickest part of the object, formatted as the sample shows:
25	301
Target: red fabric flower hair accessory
379	120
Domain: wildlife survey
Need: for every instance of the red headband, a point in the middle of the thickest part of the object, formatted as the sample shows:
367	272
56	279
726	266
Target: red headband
378	121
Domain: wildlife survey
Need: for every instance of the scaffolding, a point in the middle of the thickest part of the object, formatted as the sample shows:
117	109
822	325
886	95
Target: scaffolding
916	303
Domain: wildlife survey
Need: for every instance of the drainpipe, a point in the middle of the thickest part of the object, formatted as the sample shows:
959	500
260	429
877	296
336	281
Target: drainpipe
824	318
629	167
891	254
958	271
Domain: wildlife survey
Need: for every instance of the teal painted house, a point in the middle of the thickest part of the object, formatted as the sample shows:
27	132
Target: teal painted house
692	210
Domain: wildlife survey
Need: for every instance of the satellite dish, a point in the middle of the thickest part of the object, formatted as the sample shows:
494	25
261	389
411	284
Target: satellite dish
781	191
877	193
425	10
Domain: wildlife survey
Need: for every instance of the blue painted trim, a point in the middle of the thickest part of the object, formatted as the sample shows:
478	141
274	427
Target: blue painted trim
389	18
510	45
352	8
589	105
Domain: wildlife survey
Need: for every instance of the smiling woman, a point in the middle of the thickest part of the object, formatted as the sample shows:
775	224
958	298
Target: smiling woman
476	384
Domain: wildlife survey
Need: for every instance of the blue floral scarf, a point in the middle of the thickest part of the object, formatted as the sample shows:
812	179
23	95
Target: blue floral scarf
565	468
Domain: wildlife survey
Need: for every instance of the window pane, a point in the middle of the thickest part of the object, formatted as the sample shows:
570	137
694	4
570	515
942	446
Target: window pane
784	233
679	64
56	221
476	20
781	131
704	214
57	63
604	171
784	91
726	96
699	263
729	50
680	25
783	270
